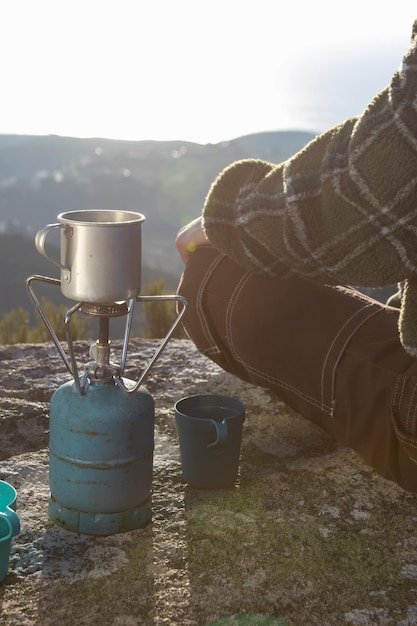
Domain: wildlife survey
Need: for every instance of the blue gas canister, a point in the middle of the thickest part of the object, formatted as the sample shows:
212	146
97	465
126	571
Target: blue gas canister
101	457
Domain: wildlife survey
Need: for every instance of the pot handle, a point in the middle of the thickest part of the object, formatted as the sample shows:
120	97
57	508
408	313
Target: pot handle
40	239
12	520
221	434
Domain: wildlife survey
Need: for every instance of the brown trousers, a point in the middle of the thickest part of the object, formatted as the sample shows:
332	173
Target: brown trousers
331	354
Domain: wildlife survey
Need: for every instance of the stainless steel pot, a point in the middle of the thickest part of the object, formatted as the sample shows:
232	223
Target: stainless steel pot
101	254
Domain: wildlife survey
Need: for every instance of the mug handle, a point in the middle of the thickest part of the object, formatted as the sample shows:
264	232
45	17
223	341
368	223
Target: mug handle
221	434
12	520
40	239
9	527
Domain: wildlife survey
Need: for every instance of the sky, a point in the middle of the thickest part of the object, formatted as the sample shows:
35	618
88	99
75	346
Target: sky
194	70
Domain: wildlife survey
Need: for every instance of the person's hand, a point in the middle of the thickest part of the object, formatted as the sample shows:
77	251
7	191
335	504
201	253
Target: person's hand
189	238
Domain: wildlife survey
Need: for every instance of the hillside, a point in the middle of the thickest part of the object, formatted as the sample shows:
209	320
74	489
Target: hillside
41	177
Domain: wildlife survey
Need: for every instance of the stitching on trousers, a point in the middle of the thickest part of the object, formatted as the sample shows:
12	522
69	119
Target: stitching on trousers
410	419
400	380
213	349
328	407
261	375
410	442
284	385
329	352
414	413
332	374
230	308
396	405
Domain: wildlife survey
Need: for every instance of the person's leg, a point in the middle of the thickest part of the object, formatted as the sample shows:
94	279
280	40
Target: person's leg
331	354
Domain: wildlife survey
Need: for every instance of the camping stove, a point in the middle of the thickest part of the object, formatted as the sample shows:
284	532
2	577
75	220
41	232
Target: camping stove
101	424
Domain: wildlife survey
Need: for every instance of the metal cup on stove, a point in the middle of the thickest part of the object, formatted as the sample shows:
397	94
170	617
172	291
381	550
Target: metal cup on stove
101	254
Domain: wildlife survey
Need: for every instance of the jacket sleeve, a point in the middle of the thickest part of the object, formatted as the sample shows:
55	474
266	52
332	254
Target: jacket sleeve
342	210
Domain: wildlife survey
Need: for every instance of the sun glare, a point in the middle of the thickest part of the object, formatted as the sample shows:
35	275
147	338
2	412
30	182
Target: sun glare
177	70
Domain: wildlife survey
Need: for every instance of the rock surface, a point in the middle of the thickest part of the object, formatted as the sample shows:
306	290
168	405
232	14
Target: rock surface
309	535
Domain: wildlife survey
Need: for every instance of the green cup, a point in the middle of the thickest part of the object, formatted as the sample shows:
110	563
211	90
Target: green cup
209	430
9	524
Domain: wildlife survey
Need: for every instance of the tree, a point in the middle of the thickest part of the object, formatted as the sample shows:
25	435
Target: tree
14	326
55	314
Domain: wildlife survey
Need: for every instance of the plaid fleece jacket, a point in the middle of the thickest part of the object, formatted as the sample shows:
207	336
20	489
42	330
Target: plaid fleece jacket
342	211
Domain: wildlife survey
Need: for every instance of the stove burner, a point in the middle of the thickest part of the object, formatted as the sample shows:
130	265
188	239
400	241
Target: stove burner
116	309
104	312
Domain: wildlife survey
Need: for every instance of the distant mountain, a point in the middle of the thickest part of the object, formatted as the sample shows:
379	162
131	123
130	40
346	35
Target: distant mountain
27	157
41	177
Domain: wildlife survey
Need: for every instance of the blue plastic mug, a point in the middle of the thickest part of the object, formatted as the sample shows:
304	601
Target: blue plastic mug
9	524
210	433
